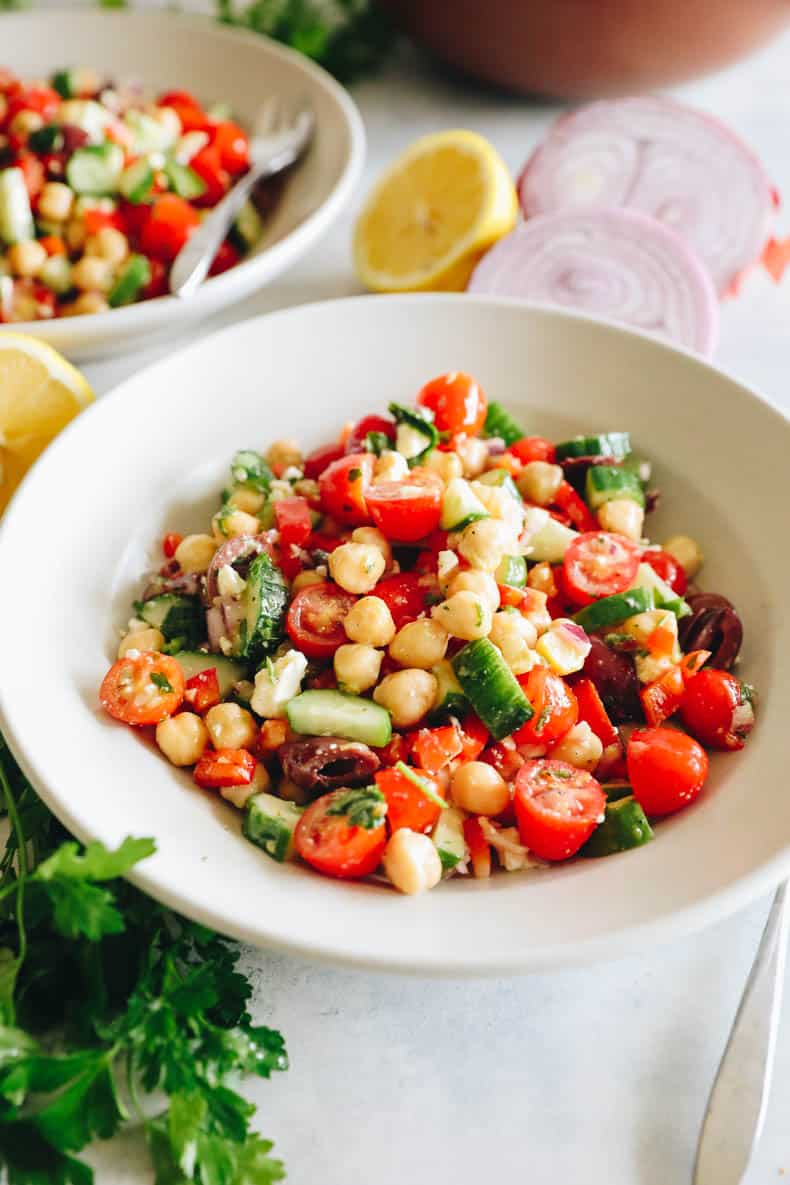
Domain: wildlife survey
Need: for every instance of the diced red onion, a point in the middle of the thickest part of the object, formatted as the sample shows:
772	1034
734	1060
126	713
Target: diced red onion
660	157
495	446
241	547
614	264
215	627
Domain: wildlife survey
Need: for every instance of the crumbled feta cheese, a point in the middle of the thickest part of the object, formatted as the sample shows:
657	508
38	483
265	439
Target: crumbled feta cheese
280	489
410	442
277	683
293	473
225	645
229	583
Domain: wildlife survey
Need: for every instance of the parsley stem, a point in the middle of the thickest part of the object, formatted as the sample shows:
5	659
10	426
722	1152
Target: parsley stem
19	884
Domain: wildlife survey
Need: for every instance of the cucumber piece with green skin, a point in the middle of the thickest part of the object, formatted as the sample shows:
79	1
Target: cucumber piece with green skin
491	688
270	823
184	181
134	276
614	791
136	182
46	139
175	616
512	571
149	134
229	671
605	483
608	444
95	169
416	434
450	699
547	539
500	423
448	837
249	469
16	217
248	228
501	479
460	506
265	600
625	826
664	596
65	83
338	714
612	610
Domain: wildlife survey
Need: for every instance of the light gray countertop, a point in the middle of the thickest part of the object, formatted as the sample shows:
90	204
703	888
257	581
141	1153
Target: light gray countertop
597	1075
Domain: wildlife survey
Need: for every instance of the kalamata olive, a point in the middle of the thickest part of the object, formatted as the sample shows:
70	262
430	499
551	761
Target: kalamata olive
713	625
319	764
614	676
73	138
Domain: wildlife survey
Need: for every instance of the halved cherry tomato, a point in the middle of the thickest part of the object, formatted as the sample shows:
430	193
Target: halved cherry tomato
474	737
169	225
41	99
407	806
666	769
557	807
555	708
292	517
144	689
315	619
532	448
407	510
170	544
181	97
479	849
574	506
157	285
693	662
227	257
404	596
53	244
717	709
318	541
317	461
599	564
193	117
434	748
457	402
592	712
225	767
233	147
506	760
208	166
427	561
327	838
202	690
662	698
96	220
667	567
344	485
357	439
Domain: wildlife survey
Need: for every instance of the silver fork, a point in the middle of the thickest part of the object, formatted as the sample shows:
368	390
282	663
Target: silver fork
279	139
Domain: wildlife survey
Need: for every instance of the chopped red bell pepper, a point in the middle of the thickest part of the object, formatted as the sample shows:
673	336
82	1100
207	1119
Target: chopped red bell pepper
532	448
593	712
508	595
575	508
474	737
662	698
407	806
693	662
434	748
225	767
292	516
479	850
170	543
202	690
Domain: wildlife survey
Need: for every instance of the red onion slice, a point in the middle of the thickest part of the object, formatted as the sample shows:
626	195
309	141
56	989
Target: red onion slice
615	264
655	155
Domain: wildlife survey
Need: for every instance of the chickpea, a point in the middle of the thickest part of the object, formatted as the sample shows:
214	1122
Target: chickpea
356	567
473	455
374	538
622	516
75	234
26	258
580	747
500	504
420	643
284	454
92	274
25	122
86	302
515	636
195	553
447	568
407	696
370	621
539	482
231	727
541	578
464	615
357	666
182	738
481	583
230	524
484	543
239	796
445	465
411	861
535	609
479	789
305	579
108	243
250	501
687	552
390	466
144	639
56	201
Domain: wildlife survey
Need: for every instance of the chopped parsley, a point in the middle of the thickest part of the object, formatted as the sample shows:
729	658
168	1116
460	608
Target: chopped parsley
364	807
161	681
354	474
377	442
421	784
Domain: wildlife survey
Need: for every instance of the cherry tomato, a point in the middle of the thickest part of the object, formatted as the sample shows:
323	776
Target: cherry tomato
225	767
169	225
666	769
404	596
181	97
96	220
357	441
202	690
9	83
435	748
134	218
320	458
599	564
474	737
662	698
170	544
41	99
532	448
407	510
157	285
344	485
208	166
227	257
555	708
328	839
668	568
592	712
573	505
407	806
233	147
143	689
717	709
457	402
193	117
315	619
557	807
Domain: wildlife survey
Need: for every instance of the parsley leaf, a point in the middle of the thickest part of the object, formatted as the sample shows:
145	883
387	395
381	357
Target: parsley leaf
161	681
364	807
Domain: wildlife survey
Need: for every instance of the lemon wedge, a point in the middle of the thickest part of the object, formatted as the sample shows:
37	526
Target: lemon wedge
433	214
40	392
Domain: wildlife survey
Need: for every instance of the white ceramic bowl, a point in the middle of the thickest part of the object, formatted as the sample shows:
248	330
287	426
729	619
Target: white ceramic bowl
167	51
83	526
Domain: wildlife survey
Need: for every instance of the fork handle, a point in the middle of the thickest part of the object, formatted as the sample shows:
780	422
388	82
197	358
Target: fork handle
739	1097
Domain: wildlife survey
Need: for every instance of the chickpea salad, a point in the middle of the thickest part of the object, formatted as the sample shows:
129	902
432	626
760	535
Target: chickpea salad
100	188
436	646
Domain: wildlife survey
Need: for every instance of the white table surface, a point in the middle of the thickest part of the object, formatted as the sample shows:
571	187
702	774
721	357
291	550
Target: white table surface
597	1075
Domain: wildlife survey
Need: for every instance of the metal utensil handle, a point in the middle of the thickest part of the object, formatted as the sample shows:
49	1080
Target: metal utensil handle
737	1104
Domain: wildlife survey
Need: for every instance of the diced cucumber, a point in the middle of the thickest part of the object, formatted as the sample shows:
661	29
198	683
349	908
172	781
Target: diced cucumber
612	610
270	823
265	600
337	714
247	229
95	169
184	181
624	826
604	483
547	539
136	182
614	791
55	272
448	837
501	479
149	134
450	699
460	506
64	82
416	435
512	571
16	218
175	617
500	423
664	596
492	688
249	469
46	139
608	444
133	277
229	671
86	114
